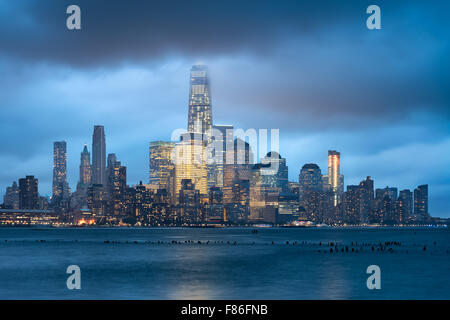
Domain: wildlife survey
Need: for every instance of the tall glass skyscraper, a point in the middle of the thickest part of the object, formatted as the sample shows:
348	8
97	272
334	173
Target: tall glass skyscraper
161	163
60	186
190	163
335	179
200	114
99	156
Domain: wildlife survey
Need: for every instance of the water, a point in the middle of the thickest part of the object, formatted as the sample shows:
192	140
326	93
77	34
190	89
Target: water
134	266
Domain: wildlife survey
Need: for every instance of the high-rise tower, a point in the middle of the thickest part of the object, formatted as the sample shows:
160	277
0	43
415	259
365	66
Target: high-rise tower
200	114
60	186
161	164
99	156
85	167
335	179
28	193
421	202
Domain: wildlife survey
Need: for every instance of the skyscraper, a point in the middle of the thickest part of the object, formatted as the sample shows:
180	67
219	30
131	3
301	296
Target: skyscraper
28	193
310	179
200	114
277	177
335	180
190	163
351	205
116	185
11	198
404	206
421	202
366	197
236	170
161	163
223	140
60	187
99	156
85	167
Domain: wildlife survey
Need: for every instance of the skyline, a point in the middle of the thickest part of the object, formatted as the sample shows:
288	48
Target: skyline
137	93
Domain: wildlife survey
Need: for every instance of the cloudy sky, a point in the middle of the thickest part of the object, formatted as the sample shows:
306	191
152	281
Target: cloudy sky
310	68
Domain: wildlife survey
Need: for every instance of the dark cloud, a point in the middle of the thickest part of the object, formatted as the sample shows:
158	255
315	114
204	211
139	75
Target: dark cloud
310	68
113	31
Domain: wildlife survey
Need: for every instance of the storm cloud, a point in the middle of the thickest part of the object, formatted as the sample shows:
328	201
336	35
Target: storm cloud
310	68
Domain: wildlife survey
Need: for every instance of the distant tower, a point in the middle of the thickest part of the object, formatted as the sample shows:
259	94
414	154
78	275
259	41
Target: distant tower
60	186
28	193
11	198
421	202
99	156
310	179
200	114
405	205
335	180
85	167
278	174
190	164
223	136
366	197
161	164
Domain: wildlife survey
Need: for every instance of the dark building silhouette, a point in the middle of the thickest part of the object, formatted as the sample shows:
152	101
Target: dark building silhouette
216	209
85	167
11	198
98	156
366	199
116	185
351	204
60	187
404	206
189	201
28	193
421	202
310	179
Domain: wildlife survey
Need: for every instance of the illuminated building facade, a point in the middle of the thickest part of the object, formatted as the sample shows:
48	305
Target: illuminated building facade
161	164
335	179
277	176
263	198
190	163
60	187
351	205
223	136
404	206
310	179
200	114
189	201
216	209
238	170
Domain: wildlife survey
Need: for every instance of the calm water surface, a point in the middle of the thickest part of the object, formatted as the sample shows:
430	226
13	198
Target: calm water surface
231	263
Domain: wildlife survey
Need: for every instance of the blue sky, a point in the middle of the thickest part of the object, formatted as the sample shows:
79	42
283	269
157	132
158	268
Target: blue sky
310	68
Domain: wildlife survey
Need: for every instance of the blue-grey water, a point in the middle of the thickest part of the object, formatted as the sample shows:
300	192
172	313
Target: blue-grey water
228	263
